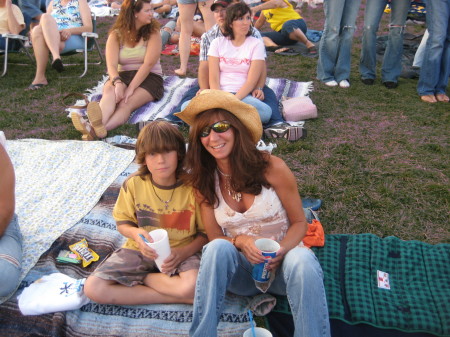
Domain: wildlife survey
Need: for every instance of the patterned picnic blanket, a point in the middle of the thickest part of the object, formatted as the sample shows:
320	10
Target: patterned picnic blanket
57	183
175	87
386	283
99	229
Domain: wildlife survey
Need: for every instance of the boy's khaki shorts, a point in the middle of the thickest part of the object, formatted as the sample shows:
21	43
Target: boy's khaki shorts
129	267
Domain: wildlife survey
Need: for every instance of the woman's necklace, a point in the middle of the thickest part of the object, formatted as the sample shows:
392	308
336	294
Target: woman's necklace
165	202
233	194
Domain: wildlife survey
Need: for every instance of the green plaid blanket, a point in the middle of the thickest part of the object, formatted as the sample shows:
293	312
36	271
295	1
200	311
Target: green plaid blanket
387	283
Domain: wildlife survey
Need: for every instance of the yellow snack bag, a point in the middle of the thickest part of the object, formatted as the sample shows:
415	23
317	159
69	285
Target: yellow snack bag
82	250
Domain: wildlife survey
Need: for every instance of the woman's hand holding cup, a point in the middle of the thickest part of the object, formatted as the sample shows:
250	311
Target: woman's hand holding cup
248	248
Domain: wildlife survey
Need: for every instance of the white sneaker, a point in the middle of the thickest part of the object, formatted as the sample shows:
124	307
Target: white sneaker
344	84
331	83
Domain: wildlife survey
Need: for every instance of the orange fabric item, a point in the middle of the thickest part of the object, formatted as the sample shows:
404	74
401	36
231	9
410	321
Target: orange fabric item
315	236
172	49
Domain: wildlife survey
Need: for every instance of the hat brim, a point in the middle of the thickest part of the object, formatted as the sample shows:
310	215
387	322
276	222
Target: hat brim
221	4
218	99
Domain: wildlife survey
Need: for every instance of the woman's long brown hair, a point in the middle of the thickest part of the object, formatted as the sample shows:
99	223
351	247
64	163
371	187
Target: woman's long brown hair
125	23
248	164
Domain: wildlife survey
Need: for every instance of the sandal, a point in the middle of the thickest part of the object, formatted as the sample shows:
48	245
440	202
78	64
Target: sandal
36	86
286	51
273	48
442	98
94	113
82	126
58	65
312	50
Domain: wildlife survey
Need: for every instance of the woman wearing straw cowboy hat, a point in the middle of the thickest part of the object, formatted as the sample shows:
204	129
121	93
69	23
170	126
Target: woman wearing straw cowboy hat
246	194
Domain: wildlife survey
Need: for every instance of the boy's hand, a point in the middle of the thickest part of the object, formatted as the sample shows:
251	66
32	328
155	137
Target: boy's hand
143	247
176	256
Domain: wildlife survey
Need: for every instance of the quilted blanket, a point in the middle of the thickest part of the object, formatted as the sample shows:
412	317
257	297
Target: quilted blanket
99	229
386	283
57	183
175	87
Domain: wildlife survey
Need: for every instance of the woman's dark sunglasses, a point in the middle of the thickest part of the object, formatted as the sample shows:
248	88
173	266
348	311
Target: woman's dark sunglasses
218	127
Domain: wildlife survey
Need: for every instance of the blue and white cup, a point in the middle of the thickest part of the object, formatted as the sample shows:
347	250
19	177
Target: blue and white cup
269	248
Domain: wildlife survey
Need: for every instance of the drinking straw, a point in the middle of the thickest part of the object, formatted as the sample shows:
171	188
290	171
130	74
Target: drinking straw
252	323
143	238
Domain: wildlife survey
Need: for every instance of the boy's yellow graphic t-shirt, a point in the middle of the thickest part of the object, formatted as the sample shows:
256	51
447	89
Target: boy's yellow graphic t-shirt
138	204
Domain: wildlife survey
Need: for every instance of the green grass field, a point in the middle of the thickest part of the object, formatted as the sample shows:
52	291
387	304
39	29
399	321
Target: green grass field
378	158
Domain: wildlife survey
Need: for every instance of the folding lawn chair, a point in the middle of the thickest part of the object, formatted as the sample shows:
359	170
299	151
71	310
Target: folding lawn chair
20	41
90	44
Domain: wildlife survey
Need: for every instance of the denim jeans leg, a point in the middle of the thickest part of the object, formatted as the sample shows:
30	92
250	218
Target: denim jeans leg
434	71
348	26
10	259
329	43
190	94
418	57
220	266
392	61
372	16
264	110
445	64
272	101
301	279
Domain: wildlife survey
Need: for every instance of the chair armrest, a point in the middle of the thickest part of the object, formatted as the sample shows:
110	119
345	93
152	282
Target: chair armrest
15	36
89	34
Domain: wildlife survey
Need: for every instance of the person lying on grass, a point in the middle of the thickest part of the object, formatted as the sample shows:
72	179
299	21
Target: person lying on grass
133	52
287	25
153	198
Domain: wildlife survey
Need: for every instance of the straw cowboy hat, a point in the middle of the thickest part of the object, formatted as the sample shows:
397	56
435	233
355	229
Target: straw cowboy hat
212	99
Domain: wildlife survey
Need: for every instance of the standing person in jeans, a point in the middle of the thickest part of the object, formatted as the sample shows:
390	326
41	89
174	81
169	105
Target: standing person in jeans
435	70
335	49
392	60
10	235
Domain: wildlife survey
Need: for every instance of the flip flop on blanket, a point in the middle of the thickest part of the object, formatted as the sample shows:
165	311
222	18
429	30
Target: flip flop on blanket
282	50
94	113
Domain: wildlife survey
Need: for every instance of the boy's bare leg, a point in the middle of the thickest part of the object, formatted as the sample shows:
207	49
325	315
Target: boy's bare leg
111	292
179	286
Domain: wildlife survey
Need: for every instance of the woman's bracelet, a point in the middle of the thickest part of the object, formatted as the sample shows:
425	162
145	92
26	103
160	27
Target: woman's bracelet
115	79
233	240
261	88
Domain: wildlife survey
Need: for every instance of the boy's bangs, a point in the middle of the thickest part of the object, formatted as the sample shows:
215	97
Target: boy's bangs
160	141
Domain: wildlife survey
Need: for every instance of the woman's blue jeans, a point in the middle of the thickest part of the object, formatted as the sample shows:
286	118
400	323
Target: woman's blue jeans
264	111
435	68
10	259
223	268
392	60
335	49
